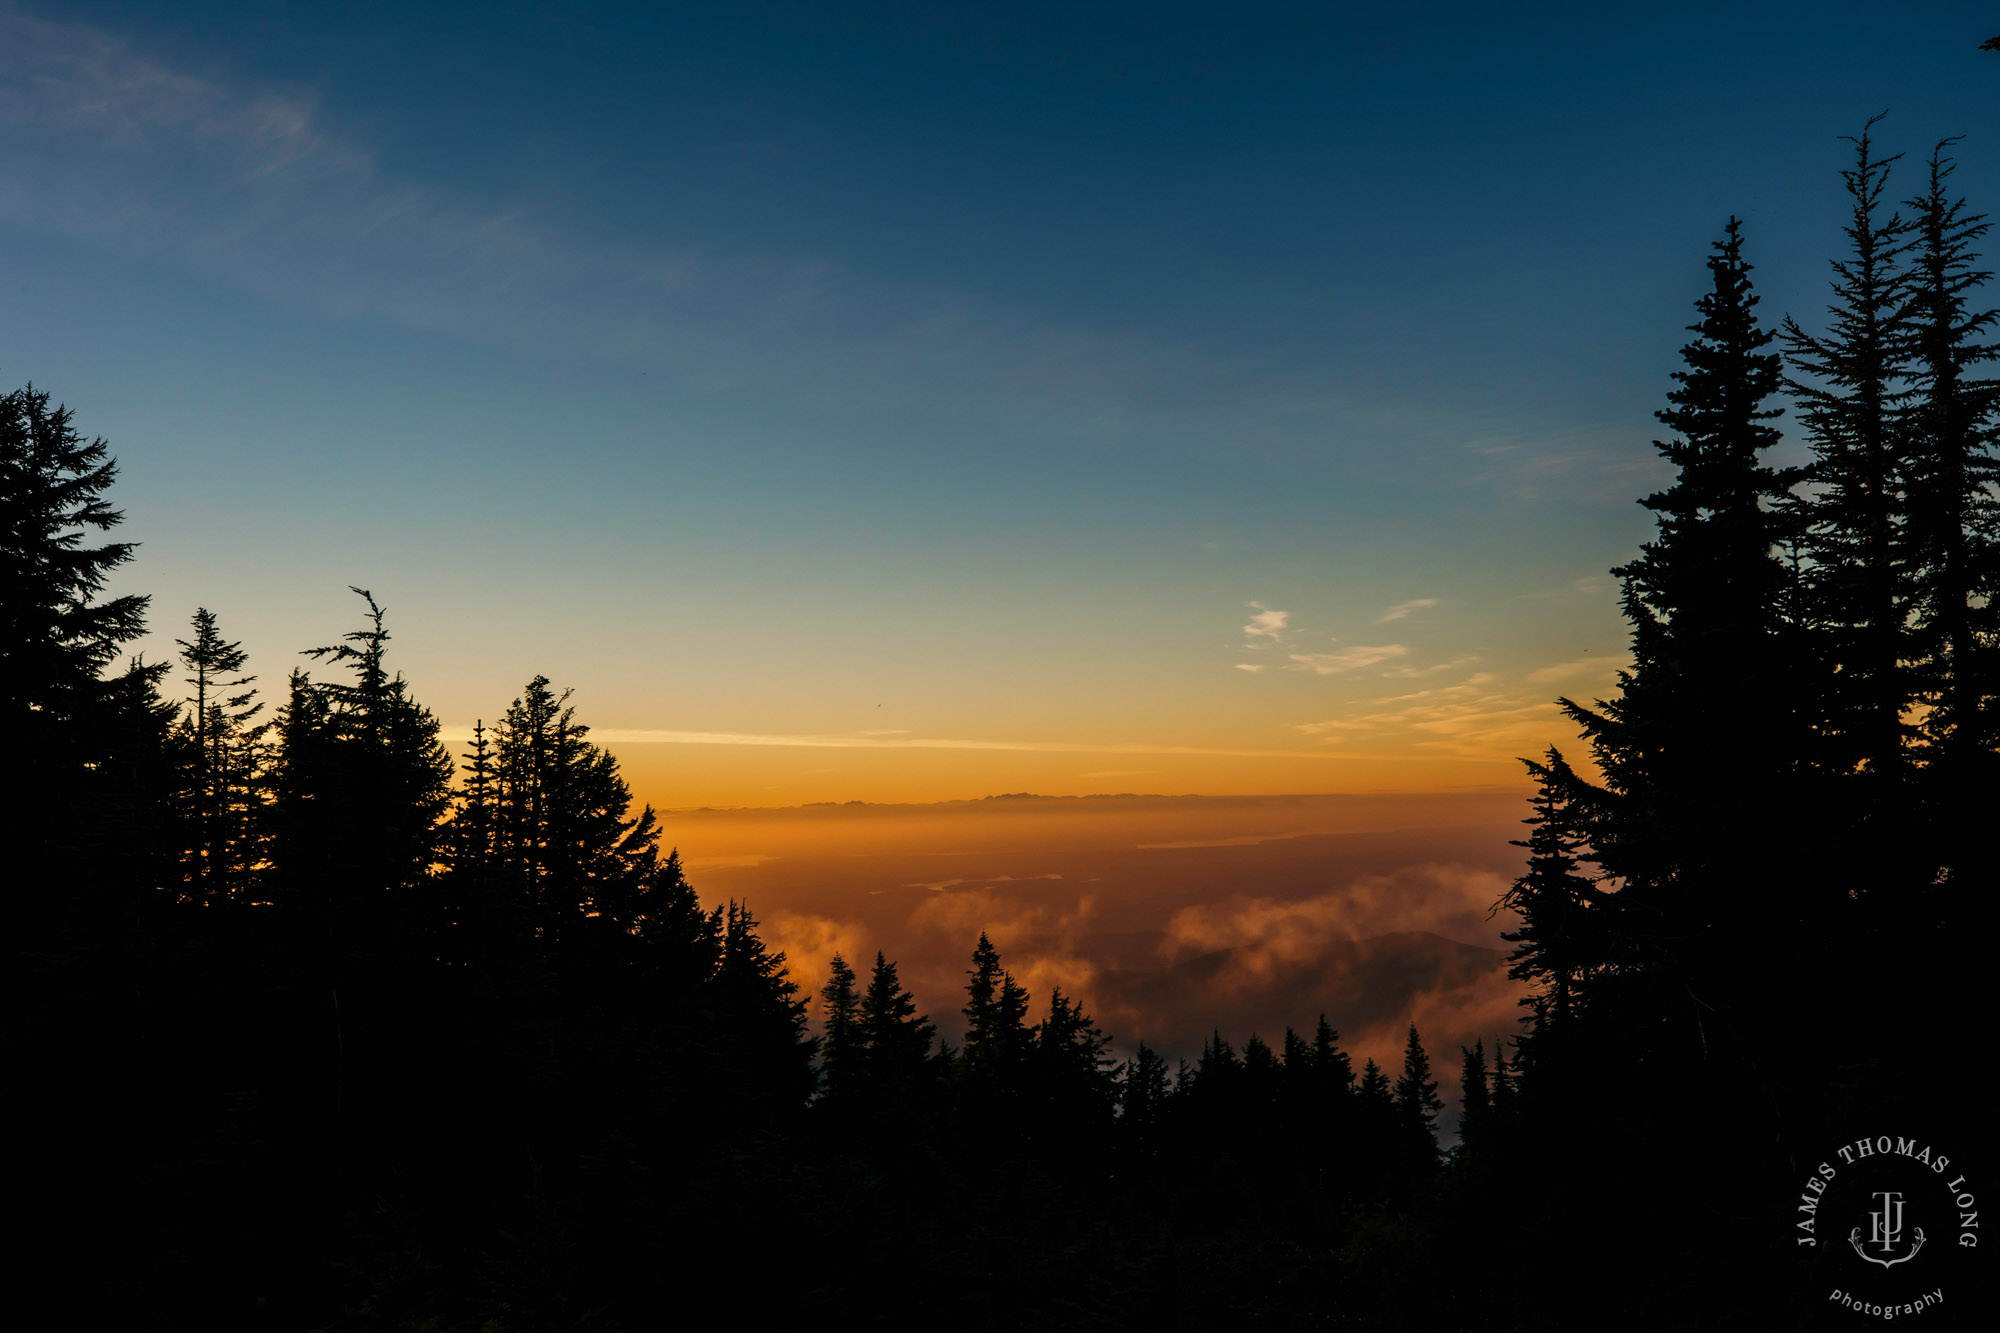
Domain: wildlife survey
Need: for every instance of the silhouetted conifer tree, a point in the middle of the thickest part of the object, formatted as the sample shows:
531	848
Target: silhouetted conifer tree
359	791
484	918
1417	1102
1297	1057
1143	1100
565	837
224	794
1375	1112
761	1020
1703	593
1504	1089
1475	1096
1953	525
1567	933
1072	1055
1686	837
1330	1063
1261	1077
1852	387
997	1035
1219	1071
897	1038
71	755
840	1037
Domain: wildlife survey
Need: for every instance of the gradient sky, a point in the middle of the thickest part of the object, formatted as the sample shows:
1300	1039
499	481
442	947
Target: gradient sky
856	401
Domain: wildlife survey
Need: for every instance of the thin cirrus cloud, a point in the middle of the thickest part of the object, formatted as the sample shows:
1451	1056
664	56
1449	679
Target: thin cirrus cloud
105	143
1474	719
261	188
1270	626
257	188
1593	666
1403	610
1575	589
1417	673
865	740
1347	659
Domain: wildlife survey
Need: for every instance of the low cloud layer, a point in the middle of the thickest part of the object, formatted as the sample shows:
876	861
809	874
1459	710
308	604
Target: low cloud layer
1168	917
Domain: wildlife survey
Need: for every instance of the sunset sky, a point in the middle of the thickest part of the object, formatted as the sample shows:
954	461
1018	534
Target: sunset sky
855	403
905	403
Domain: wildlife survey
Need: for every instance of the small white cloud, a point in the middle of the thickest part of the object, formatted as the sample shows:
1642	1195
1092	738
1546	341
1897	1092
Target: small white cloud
1347	659
1267	623
1402	610
1252	667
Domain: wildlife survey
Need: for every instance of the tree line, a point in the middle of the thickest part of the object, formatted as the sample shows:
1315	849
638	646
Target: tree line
327	1026
432	1034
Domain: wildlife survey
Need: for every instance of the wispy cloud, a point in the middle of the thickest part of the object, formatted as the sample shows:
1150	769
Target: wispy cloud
1403	610
268	189
1582	666
1591	585
1251	667
103	142
939	886
863	740
1347	659
1477	718
262	186
1414	672
1594	465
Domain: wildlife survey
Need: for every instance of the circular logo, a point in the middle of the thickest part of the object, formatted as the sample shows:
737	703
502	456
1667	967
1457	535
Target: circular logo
1891	1222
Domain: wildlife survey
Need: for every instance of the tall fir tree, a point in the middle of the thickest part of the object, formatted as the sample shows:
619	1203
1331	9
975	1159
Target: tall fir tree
359	796
1072	1060
567	843
1142	1101
1416	1094
1953	507
998	1037
897	1038
1717	667
1852	387
224	789
1333	1067
1570	928
841	1048
1475	1098
759	1023
1504	1083
71	733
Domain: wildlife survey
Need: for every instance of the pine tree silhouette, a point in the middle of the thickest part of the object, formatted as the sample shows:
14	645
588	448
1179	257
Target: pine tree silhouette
897	1038
1953	524
359	795
63	721
1475	1098
1417	1102
841	1046
1852	386
225	796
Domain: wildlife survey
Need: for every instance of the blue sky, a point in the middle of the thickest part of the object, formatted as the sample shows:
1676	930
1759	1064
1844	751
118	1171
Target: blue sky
868	371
